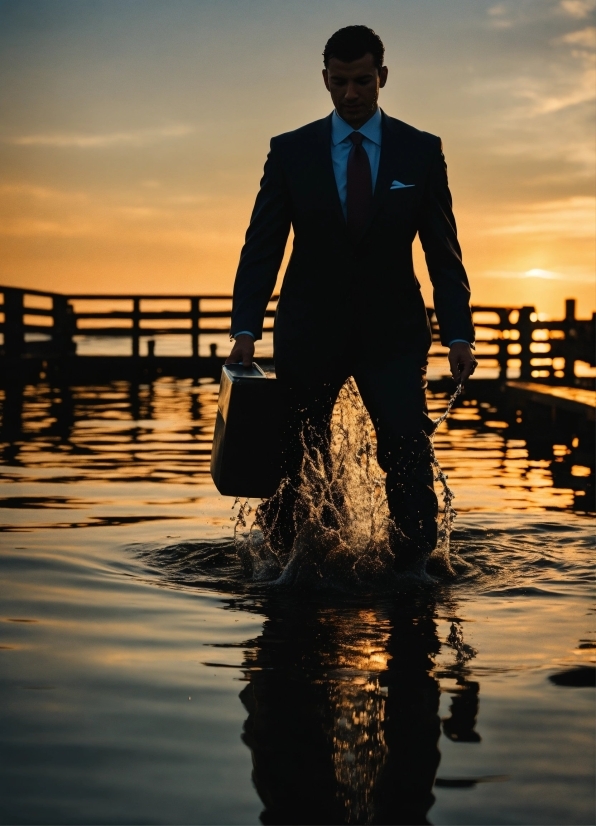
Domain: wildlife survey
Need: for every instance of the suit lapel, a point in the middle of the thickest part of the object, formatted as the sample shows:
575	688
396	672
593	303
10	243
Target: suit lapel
388	152
394	163
327	174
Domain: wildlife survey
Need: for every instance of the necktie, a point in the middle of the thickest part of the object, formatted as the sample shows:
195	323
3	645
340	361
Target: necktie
359	200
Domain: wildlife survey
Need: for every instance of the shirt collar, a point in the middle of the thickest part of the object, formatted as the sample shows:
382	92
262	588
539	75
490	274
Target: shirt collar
371	129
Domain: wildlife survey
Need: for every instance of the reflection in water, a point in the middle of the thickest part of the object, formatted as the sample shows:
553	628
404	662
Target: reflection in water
342	691
161	431
343	694
459	726
463	711
158	431
343	712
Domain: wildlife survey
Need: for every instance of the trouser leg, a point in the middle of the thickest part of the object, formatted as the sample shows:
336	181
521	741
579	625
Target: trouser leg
394	395
306	421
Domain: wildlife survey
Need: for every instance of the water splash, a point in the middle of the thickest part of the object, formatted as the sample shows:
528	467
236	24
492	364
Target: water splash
441	555
455	640
343	539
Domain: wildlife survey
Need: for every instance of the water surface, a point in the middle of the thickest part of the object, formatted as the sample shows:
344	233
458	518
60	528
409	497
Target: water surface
145	680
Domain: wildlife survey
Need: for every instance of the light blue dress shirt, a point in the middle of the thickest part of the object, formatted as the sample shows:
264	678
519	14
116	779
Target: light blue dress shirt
340	149
341	145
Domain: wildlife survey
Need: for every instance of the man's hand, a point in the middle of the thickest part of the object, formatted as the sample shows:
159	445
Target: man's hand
243	351
461	361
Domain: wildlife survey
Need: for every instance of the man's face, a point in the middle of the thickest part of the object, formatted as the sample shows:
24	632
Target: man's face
354	88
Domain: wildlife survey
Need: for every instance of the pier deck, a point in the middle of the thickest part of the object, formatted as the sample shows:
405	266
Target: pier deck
576	400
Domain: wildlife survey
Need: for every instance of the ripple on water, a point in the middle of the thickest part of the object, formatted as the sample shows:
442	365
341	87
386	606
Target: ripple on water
163	648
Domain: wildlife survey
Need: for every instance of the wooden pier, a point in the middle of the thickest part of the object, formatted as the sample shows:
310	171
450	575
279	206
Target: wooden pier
47	340
43	332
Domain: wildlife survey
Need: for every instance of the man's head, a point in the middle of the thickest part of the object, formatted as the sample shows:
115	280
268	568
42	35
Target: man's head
354	72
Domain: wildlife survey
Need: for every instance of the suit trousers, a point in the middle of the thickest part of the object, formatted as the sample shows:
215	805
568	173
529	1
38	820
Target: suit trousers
394	394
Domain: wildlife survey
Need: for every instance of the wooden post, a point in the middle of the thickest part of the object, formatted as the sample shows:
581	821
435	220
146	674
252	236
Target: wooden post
195	314
570	340
14	327
570	310
136	326
503	354
65	326
524	326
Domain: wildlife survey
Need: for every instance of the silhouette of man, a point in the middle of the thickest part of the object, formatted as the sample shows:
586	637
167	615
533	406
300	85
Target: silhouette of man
356	186
336	738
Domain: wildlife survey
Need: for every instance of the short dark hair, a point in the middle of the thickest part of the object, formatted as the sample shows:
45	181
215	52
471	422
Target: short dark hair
352	43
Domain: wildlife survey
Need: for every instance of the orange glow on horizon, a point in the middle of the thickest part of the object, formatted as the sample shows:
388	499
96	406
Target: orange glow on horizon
140	175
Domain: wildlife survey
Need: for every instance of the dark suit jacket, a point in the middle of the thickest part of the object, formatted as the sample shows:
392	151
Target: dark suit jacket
336	285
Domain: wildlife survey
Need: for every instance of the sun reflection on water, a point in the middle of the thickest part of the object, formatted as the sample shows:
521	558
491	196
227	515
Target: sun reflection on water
161	432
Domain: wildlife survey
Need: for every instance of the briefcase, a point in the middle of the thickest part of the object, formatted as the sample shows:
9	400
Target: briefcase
245	459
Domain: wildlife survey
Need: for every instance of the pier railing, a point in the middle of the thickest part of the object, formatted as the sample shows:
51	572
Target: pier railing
37	324
542	350
55	320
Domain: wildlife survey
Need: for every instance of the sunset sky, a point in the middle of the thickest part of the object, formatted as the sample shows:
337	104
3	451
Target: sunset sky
133	133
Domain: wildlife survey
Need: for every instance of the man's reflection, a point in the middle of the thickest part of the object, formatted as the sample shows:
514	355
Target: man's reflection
460	725
343	713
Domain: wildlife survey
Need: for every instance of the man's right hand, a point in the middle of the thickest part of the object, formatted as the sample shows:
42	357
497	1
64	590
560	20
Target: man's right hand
243	351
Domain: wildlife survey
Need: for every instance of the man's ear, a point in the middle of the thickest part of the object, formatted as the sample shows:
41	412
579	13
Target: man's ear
383	72
326	79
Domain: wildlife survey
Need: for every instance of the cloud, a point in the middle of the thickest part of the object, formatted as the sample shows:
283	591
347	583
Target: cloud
570	81
541	103
498	17
577	8
564	80
38	228
542	109
134	137
41	193
577	83
576	275
135	217
568	217
583	37
547	275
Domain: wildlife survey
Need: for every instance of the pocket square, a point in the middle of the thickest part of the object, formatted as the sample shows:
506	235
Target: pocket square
399	185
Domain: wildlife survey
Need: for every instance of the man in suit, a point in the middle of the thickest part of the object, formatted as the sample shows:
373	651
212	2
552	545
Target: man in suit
356	187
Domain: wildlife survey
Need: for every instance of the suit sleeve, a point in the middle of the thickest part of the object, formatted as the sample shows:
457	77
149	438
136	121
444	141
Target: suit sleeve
438	235
263	249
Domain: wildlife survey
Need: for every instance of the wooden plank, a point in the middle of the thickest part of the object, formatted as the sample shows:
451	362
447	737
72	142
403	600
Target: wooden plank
574	399
48	329
129	314
36	311
27	291
161	314
131	297
143	331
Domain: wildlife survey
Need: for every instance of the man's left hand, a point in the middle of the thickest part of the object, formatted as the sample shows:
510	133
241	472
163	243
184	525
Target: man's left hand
461	361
